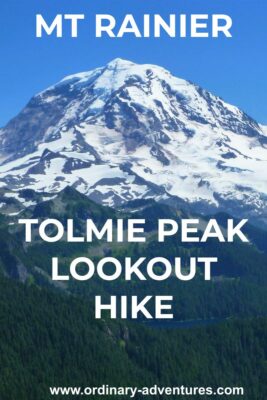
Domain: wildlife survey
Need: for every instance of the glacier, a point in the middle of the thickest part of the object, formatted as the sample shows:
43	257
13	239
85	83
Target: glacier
126	131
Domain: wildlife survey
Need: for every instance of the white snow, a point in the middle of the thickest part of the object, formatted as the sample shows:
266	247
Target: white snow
197	165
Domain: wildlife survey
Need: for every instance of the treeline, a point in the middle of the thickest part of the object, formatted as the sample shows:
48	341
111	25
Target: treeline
49	337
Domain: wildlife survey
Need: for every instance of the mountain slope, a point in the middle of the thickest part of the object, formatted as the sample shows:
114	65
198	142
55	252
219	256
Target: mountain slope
64	345
237	288
128	131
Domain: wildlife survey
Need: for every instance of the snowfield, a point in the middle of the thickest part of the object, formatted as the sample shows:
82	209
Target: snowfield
128	131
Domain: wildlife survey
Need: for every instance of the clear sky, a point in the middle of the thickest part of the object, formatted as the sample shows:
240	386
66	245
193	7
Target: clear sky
234	69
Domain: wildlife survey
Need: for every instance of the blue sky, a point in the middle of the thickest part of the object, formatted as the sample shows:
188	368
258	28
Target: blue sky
234	69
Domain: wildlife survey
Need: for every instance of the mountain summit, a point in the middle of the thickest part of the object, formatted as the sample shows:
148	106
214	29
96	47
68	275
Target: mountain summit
127	131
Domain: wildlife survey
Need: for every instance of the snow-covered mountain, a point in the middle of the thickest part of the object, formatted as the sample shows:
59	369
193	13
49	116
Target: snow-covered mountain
128	131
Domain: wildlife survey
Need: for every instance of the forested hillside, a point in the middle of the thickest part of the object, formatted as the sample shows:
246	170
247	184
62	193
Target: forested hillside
49	336
48	339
